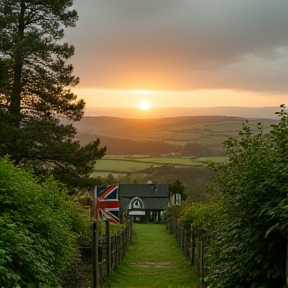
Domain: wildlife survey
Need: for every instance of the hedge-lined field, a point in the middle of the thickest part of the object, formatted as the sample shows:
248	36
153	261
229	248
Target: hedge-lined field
127	164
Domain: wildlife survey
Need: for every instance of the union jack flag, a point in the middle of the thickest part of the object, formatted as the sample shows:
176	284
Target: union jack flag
107	203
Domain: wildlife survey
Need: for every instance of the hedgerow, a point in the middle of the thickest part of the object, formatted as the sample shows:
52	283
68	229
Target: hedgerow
39	228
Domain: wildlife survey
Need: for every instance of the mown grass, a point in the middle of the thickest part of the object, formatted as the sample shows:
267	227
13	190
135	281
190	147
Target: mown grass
120	165
153	259
185	161
217	159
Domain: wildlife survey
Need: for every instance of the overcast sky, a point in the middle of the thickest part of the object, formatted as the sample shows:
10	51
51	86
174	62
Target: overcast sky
182	45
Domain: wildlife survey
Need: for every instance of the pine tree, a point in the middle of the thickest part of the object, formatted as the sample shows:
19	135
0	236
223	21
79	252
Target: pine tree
35	90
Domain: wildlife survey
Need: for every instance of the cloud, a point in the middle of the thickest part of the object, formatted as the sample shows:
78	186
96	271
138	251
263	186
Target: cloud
181	44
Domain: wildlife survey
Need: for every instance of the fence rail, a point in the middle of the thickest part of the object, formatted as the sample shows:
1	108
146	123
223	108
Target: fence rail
192	242
106	252
112	250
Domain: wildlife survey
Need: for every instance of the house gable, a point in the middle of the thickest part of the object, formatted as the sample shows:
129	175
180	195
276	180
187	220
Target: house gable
145	200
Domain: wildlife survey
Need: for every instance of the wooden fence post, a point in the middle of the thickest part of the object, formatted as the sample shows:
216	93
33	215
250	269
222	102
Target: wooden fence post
193	246
187	244
201	260
115	249
127	235
108	248
122	244
130	230
95	261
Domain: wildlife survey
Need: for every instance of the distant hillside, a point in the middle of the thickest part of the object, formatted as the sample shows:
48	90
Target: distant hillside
118	146
245	112
197	136
162	150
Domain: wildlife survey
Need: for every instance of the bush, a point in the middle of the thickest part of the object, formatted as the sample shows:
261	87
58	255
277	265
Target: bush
39	228
249	248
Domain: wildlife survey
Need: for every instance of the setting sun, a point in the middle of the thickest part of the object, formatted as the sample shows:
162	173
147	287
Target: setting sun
144	105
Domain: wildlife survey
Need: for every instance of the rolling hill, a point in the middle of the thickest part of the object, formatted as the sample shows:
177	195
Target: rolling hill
185	135
162	150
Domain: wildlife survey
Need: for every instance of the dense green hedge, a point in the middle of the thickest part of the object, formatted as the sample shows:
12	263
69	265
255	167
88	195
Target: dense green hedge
39	228
246	219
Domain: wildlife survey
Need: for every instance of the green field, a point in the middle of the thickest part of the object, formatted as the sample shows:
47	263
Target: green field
184	128
119	165
206	160
163	150
123	136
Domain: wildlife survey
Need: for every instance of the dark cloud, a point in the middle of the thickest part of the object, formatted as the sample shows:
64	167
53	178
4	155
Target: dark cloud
182	44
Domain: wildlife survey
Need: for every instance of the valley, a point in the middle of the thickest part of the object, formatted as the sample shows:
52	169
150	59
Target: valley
162	150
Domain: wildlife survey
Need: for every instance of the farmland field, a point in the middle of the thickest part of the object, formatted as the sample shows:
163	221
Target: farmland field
126	164
162	150
162	136
118	165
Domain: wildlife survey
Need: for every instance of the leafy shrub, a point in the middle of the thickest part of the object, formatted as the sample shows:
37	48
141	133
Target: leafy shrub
202	215
250	245
39	228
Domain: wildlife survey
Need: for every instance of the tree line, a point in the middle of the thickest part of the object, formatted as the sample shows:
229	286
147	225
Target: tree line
121	146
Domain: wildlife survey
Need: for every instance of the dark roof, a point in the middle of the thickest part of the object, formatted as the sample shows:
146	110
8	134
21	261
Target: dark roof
124	202
154	196
143	190
158	203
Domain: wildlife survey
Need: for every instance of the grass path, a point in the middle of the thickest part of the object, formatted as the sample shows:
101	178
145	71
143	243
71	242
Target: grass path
153	259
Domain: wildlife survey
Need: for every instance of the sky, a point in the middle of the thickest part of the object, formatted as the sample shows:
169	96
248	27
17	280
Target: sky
181	53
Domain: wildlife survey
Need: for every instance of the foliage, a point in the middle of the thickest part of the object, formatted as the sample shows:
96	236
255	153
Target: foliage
4	66
39	228
35	91
178	211
197	149
250	245
75	275
173	211
204	216
194	178
31	33
110	179
178	187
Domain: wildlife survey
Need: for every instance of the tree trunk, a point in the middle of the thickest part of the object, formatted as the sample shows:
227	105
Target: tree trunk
15	105
16	89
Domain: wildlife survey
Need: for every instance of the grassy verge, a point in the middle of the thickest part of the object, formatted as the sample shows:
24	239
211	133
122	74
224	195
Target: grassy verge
153	259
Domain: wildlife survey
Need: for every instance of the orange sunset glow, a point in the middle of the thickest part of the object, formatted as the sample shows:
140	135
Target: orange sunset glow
181	53
201	98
